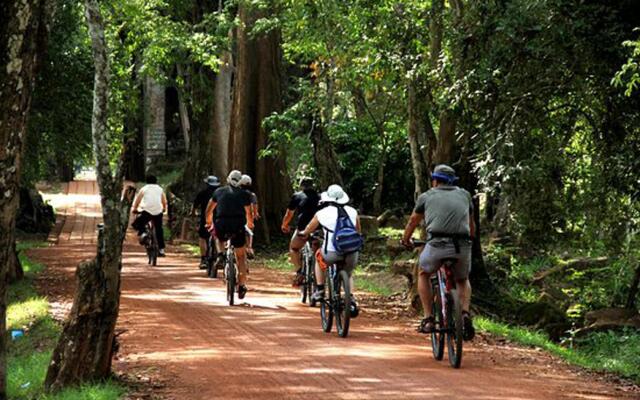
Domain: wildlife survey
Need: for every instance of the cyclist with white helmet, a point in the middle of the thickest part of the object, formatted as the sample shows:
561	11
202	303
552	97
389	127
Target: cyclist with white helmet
232	207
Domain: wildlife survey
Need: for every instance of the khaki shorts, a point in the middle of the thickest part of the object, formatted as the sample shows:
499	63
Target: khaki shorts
433	253
297	242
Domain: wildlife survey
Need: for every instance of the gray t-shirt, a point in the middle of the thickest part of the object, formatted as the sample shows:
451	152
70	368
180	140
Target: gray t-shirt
446	209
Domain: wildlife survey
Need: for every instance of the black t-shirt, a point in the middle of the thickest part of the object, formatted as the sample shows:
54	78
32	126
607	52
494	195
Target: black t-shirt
201	201
231	202
306	203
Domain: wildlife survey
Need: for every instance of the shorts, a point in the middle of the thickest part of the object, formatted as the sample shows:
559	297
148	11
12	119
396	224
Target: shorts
231	229
203	232
347	261
434	252
297	242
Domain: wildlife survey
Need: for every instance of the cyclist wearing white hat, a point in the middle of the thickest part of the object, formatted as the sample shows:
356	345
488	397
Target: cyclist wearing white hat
335	206
245	183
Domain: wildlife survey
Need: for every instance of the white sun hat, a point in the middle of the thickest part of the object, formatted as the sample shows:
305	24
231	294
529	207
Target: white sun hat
337	195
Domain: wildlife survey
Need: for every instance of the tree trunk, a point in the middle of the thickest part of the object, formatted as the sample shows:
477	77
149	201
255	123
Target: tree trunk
24	27
418	138
377	194
257	94
85	347
16	272
222	116
325	158
633	289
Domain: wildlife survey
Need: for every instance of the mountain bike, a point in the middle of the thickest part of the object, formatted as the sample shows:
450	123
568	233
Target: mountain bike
447	311
308	285
210	258
230	272
338	303
151	242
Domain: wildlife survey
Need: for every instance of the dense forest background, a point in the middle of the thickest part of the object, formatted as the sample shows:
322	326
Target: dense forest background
536	104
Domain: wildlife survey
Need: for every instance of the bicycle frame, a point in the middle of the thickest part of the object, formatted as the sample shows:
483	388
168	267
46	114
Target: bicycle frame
446	284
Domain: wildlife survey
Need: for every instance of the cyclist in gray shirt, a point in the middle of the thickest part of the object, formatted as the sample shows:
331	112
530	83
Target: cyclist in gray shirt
447	211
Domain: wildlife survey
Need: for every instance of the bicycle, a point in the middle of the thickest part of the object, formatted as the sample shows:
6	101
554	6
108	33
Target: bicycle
210	257
151	243
338	303
230	272
308	286
447	311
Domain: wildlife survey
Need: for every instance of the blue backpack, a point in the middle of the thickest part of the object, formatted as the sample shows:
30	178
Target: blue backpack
346	239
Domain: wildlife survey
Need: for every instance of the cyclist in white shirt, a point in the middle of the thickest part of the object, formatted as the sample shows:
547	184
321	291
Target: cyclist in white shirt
150	203
326	218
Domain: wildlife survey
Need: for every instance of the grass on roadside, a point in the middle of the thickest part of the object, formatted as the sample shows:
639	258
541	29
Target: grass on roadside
191	249
29	355
603	351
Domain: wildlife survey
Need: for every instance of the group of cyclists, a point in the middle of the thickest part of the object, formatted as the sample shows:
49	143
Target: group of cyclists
229	212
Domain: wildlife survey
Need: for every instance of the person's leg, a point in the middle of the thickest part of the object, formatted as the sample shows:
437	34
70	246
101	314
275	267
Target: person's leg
295	246
241	260
425	292
203	247
464	292
157	222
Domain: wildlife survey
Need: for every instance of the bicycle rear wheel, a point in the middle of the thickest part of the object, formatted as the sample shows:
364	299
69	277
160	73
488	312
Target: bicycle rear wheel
230	275
454	332
311	283
152	249
343	306
437	336
326	306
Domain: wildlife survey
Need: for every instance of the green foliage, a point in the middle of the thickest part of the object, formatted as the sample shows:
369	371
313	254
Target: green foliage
629	75
604	351
29	356
59	130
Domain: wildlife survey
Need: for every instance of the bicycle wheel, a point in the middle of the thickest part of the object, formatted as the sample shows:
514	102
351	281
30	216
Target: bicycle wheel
153	247
437	336
311	283
326	306
305	273
454	331
343	306
230	274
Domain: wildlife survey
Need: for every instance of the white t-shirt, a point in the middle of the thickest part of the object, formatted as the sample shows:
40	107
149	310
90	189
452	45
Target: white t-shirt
151	199
328	217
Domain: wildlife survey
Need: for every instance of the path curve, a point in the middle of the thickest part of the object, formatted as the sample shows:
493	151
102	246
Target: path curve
178	329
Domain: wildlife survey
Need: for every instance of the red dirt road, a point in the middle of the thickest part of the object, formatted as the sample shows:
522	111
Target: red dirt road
180	330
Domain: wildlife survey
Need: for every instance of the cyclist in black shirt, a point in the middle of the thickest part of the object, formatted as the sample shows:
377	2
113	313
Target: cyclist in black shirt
232	208
200	205
305	203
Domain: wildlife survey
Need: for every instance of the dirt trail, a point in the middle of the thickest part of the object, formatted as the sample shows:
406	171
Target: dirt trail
271	347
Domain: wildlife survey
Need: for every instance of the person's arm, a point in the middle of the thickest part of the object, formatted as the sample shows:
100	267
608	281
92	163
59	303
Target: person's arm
256	210
312	227
288	216
164	202
211	206
137	201
249	215
413	223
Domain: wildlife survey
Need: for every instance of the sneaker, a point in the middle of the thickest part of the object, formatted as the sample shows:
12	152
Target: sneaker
427	325
468	331
161	253
242	291
203	263
318	295
353	305
298	280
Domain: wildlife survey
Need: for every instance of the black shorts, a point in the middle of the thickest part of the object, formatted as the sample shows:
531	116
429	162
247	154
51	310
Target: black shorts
203	232
231	229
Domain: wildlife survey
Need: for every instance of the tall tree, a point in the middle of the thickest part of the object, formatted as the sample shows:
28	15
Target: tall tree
24	27
257	94
84	349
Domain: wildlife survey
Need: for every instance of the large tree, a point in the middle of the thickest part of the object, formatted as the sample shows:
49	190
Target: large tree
257	94
85	347
24	27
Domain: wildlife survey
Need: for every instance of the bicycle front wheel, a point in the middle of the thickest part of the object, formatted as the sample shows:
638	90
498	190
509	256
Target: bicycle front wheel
231	281
326	306
305	273
454	331
343	306
437	336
